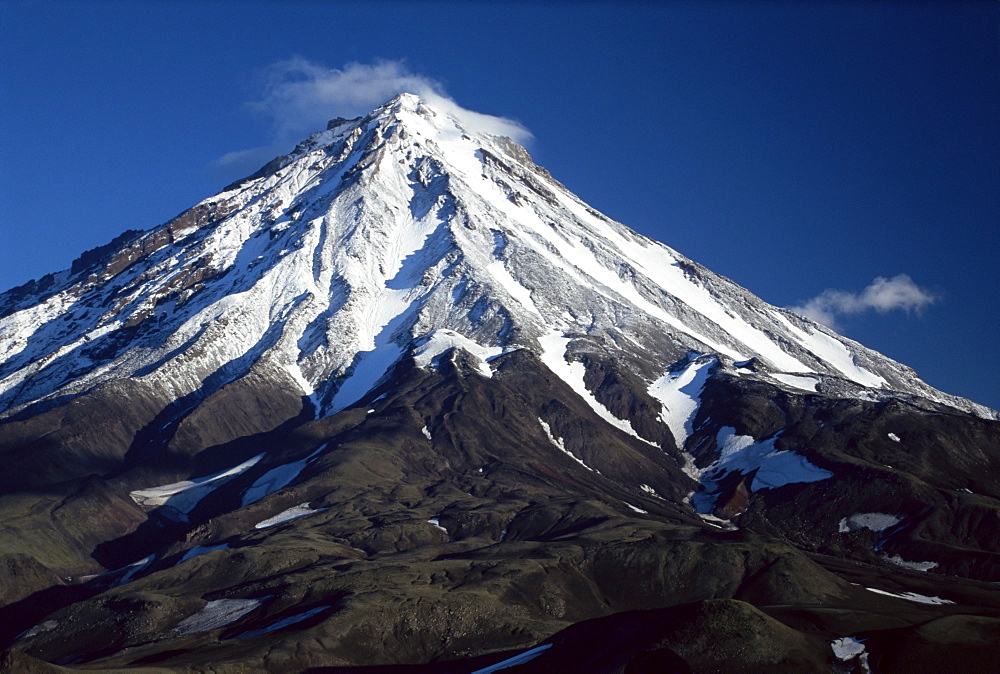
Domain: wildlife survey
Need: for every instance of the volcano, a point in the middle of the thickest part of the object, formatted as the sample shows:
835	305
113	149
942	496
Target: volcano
400	399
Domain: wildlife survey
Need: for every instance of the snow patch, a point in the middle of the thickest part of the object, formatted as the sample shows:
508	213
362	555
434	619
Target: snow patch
440	341
134	568
678	393
519	659
46	626
799	381
182	497
521	294
872	521
276	478
893	437
916	566
554	345
216	614
437	524
199	550
371	367
911	596
741	453
849	648
846	648
284	622
834	353
718	522
293	513
427	433
560	445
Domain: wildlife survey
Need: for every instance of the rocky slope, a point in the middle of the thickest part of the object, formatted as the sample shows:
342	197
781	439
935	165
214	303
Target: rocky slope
401	398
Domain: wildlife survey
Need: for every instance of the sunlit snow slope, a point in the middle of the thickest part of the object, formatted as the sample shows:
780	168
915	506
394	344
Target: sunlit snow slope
402	233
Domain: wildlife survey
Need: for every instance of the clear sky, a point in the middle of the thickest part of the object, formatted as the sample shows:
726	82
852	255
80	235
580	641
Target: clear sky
799	148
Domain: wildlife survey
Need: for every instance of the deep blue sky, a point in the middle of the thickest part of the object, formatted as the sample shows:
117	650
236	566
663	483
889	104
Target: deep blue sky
794	147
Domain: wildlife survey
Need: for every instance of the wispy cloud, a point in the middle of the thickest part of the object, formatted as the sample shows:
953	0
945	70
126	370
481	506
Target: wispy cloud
883	295
246	161
300	96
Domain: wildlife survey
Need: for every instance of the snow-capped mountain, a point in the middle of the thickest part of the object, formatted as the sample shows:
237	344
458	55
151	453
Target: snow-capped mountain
402	233
405	352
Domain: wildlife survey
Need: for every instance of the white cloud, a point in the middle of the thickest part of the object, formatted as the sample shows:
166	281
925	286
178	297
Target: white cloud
884	294
241	163
239	156
300	96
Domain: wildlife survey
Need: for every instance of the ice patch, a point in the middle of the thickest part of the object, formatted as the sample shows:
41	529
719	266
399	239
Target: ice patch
873	521
216	614
293	513
182	497
519	659
911	596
